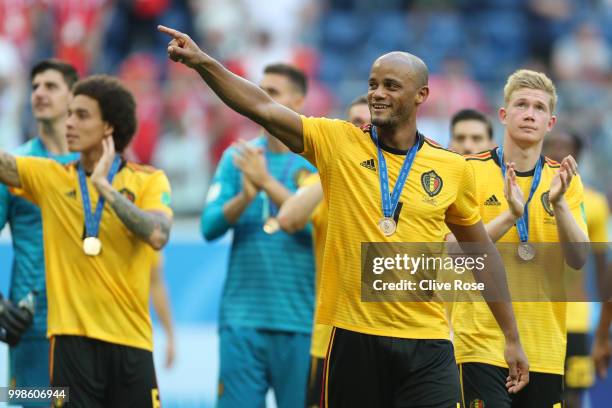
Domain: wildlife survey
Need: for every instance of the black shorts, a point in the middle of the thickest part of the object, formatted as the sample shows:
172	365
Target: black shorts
313	390
484	385
364	370
579	367
101	374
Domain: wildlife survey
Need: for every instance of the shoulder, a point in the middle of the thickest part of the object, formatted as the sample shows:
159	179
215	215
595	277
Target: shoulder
138	168
338	127
482	156
441	153
29	148
550	163
483	161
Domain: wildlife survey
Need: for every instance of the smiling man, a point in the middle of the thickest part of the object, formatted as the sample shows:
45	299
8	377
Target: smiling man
97	256
380	353
51	82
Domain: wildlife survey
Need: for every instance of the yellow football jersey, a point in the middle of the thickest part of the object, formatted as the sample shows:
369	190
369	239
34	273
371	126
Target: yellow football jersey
440	188
597	213
320	333
104	297
542	325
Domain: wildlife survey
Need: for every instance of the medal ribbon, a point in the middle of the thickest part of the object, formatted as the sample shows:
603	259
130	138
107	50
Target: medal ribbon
92	221
522	224
389	201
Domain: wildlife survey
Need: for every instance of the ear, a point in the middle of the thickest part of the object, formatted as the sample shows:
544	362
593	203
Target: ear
502	115
108	129
422	95
551	123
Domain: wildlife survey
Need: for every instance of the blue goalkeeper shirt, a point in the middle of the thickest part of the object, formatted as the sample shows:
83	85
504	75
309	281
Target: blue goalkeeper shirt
28	271
270	279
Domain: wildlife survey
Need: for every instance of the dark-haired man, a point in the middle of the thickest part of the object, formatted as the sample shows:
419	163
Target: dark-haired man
380	353
267	304
471	132
358	112
97	256
51	82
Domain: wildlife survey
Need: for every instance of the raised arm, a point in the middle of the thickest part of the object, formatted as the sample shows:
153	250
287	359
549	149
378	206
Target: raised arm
8	170
496	287
152	227
239	94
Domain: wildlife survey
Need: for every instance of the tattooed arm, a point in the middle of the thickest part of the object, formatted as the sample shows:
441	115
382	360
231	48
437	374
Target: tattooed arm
8	170
151	226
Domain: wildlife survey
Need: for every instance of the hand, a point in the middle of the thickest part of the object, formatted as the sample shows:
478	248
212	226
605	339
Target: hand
249	190
602	350
513	193
170	352
182	48
252	162
14	321
99	177
518	367
562	180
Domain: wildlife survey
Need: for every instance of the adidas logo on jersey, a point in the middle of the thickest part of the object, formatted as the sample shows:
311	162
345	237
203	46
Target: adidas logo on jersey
492	201
369	164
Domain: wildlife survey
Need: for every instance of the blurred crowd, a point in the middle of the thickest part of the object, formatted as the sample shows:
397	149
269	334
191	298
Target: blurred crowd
470	47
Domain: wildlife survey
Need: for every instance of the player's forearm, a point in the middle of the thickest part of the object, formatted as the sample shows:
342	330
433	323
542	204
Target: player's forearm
150	227
8	170
498	227
276	191
603	328
574	242
497	293
251	101
162	308
233	209
604	280
297	209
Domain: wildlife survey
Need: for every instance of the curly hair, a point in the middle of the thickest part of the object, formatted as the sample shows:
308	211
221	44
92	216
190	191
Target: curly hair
116	103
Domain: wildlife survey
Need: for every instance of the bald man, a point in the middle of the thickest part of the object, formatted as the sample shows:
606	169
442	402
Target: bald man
381	353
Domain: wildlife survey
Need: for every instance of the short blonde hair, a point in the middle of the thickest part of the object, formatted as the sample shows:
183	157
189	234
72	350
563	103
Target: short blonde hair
526	78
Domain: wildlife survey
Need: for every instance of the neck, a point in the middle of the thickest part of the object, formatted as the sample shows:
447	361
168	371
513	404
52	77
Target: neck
401	137
90	158
275	145
53	136
525	156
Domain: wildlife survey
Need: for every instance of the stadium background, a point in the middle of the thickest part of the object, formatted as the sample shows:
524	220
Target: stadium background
470	47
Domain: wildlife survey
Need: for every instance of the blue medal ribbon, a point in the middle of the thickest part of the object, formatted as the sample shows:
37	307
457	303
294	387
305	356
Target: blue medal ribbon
92	221
522	224
390	201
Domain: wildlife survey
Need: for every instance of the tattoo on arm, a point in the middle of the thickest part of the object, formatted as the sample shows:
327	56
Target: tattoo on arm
154	228
8	170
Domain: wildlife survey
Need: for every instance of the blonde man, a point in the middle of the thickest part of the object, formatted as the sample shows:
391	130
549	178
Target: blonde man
543	199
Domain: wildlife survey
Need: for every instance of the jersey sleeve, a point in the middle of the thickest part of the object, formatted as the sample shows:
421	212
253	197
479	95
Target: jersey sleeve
156	195
320	136
464	210
597	216
36	177
224	186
